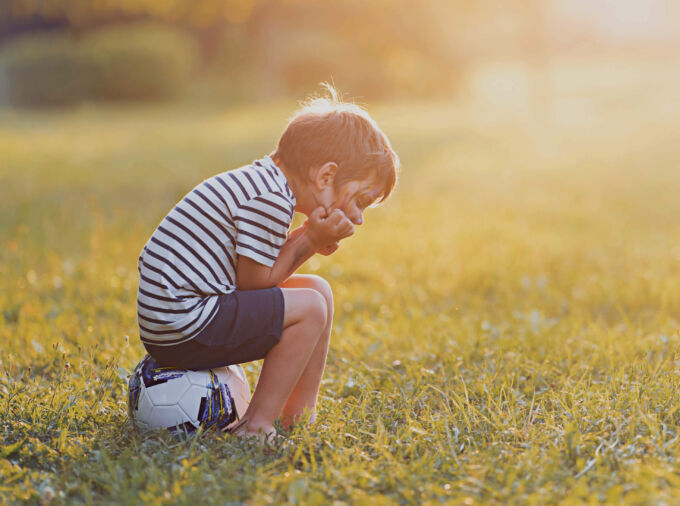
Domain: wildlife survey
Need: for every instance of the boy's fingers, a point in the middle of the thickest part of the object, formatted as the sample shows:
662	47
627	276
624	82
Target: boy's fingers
337	222
347	224
318	214
337	211
335	216
347	229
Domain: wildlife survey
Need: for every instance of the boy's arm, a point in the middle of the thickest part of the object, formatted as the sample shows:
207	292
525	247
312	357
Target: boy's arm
300	246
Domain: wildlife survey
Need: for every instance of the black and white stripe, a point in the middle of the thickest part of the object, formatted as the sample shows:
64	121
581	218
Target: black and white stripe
191	256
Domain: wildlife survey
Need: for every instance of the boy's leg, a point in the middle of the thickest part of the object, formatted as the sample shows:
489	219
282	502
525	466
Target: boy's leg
304	321
304	395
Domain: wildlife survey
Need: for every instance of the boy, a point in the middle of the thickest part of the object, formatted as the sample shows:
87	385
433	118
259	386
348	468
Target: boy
217	283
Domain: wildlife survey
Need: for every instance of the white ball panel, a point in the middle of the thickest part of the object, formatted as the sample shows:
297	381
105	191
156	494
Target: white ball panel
167	416
168	393
144	408
238	371
199	378
191	400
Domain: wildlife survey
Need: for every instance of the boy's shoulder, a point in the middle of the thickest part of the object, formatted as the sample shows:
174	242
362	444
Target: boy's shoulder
260	182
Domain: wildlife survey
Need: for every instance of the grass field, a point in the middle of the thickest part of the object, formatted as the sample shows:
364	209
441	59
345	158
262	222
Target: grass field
506	325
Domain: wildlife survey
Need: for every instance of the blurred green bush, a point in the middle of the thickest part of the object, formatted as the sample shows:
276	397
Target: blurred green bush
44	69
134	61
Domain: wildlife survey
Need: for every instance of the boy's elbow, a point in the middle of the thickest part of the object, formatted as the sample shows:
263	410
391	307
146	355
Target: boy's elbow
251	275
247	283
253	282
251	286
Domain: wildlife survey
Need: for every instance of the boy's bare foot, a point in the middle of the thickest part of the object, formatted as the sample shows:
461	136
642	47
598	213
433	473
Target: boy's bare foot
262	433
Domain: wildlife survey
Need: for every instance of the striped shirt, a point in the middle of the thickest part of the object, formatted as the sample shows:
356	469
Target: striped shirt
191	257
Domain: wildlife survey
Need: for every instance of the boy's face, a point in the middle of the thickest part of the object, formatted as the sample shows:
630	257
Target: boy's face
353	198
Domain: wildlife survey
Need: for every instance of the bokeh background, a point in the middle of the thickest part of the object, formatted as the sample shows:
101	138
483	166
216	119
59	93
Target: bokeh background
506	324
75	51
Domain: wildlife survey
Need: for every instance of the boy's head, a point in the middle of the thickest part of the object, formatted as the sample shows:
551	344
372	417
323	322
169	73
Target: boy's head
337	152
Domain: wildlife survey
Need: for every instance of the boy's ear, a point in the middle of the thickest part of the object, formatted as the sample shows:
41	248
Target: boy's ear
325	175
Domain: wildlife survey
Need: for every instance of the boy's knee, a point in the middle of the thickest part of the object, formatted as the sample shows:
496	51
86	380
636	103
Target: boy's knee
316	307
324	288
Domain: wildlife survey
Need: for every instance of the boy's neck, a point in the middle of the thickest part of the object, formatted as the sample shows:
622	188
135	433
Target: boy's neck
291	182
295	185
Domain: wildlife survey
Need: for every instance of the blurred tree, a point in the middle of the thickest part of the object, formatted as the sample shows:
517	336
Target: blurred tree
369	48
144	60
86	13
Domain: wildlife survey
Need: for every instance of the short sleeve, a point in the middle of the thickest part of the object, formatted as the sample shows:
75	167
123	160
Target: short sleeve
262	227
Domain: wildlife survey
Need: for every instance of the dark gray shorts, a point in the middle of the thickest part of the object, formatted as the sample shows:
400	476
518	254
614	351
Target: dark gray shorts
247	325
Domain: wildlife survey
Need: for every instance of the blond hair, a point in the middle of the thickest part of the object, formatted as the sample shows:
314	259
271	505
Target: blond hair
326	129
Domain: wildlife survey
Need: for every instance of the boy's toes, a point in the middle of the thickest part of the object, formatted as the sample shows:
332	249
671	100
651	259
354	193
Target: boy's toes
265	436
236	426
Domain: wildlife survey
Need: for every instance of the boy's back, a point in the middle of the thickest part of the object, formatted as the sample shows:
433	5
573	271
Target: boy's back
191	256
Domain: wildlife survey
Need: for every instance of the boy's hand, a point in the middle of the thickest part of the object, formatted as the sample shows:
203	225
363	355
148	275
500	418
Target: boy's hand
326	228
329	249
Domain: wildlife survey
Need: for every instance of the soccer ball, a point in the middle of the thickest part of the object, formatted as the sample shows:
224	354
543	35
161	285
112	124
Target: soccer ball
177	399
